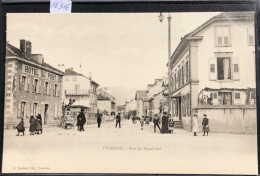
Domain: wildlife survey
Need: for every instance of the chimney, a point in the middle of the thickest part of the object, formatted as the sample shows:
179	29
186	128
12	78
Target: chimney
38	58
28	49
22	46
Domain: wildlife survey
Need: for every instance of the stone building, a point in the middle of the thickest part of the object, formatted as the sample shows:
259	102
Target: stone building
32	87
213	72
81	90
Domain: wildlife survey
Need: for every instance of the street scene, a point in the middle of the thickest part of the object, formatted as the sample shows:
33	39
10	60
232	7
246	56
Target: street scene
130	93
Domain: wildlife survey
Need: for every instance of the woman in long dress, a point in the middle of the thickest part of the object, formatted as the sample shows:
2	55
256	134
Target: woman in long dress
195	125
20	127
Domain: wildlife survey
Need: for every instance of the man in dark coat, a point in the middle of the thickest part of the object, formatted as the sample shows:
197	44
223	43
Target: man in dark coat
205	124
164	123
82	120
20	127
156	122
118	120
99	118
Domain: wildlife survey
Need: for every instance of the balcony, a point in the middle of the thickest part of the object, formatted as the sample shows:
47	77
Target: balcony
77	92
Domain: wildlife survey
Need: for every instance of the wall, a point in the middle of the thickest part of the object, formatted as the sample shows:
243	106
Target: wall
233	119
239	49
54	102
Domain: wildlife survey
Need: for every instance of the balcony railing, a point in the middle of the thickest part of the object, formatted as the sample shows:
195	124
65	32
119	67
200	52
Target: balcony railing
77	92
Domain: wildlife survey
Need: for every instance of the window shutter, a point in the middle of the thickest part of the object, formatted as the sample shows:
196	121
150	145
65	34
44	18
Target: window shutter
212	72
236	75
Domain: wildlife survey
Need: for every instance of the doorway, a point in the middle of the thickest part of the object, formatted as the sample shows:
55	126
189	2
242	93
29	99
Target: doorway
46	107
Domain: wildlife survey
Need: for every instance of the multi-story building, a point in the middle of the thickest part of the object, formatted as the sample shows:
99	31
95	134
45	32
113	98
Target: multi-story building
106	104
213	72
141	99
155	96
82	90
32	86
130	107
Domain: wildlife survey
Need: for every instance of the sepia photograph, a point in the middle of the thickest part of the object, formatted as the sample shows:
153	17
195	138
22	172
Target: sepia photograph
161	93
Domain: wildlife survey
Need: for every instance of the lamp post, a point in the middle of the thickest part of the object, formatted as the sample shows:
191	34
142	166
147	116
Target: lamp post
169	65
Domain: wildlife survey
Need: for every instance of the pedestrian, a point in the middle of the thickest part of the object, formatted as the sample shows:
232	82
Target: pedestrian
142	122
195	124
164	123
20	127
205	124
32	122
82	120
39	123
77	124
118	120
156	122
99	118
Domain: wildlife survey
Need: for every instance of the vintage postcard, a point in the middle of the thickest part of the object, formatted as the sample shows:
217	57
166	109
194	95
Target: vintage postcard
169	93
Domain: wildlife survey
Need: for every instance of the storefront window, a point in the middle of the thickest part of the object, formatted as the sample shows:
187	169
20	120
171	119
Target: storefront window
225	98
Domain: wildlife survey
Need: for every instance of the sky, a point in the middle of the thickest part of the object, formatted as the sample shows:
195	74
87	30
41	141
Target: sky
127	50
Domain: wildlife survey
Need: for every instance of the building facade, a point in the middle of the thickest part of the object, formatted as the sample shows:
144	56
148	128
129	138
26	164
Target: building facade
106	104
213	73
32	87
81	89
141	99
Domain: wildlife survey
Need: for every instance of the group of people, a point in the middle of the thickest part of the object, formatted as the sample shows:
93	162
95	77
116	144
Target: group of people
164	129
205	124
35	125
81	120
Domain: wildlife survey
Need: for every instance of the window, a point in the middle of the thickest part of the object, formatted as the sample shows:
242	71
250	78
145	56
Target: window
36	86
222	36
236	68
252	95
22	111
77	88
252	100
182	76
23	83
224	68
250	36
46	88
187	71
237	95
225	98
212	68
175	81
56	90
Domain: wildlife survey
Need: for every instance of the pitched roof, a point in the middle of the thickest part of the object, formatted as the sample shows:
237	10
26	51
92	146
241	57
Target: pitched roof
222	16
70	72
13	51
140	94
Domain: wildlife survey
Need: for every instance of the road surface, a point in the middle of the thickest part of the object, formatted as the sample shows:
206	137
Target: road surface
128	150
